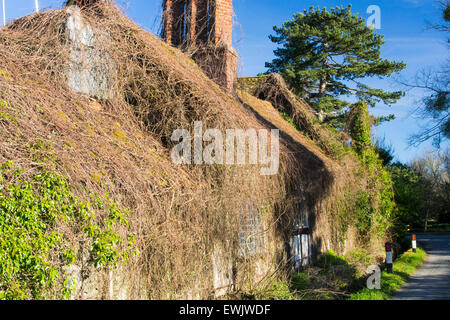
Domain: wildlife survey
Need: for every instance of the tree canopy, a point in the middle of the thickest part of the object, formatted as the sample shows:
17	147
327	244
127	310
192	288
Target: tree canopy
324	55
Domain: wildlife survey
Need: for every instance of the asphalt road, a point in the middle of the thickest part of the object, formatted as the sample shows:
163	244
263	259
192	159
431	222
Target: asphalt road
432	280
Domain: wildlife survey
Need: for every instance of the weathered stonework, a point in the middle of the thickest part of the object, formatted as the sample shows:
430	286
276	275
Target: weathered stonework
91	69
250	84
222	271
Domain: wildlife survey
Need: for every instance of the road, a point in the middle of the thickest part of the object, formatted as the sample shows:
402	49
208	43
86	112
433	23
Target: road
432	280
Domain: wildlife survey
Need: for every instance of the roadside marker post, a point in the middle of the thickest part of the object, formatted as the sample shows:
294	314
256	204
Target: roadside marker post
414	243
389	267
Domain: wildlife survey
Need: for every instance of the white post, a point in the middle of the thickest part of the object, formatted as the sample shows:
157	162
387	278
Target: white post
36	4
4	13
389	258
414	243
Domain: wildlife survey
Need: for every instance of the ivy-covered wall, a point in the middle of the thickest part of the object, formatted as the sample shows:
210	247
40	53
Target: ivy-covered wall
39	216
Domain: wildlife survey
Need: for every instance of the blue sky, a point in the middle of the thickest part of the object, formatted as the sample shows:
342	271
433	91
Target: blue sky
402	23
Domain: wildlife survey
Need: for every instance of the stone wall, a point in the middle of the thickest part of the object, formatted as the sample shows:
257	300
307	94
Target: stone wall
250	84
91	70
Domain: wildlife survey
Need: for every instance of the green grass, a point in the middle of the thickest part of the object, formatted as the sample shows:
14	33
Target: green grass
404	267
330	279
337	278
288	118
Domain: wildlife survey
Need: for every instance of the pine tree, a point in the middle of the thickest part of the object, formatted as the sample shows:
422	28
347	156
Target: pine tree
324	55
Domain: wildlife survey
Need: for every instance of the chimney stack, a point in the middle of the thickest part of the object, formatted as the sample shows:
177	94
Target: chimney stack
207	27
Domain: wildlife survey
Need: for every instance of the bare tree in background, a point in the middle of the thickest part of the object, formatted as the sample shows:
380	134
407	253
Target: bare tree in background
434	107
434	171
445	4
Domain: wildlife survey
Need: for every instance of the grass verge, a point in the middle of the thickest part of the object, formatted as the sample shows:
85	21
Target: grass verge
333	278
404	267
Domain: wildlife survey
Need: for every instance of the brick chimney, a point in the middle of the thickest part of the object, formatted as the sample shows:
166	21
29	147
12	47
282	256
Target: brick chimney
224	21
205	28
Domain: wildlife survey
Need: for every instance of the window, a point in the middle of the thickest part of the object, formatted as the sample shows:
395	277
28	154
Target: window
301	241
251	235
